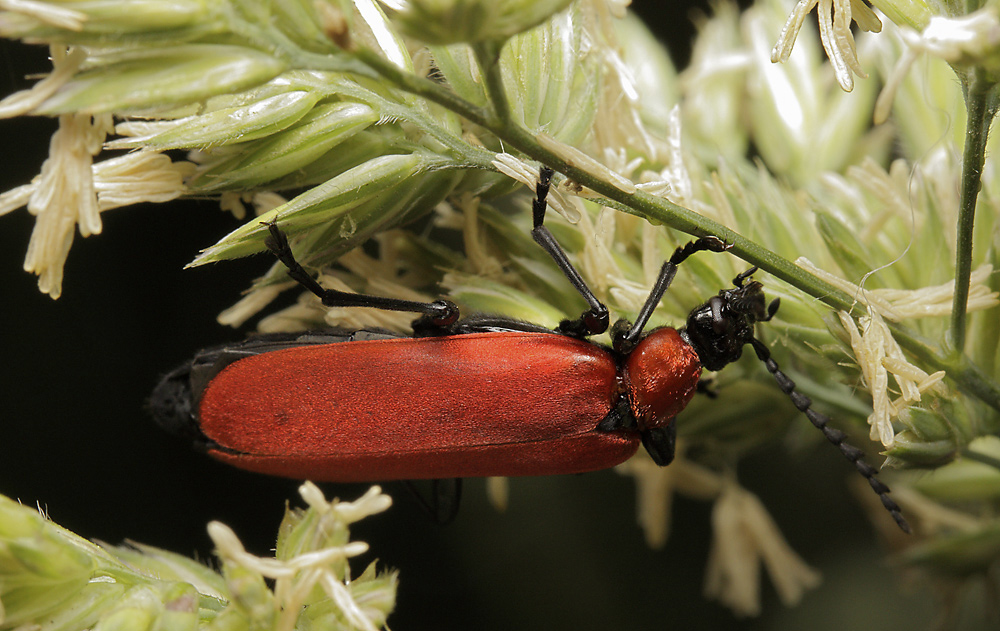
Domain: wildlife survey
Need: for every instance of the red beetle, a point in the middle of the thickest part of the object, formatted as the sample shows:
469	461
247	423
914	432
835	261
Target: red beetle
481	396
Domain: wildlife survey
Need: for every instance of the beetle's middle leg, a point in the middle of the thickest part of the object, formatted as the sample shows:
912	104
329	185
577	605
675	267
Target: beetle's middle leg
595	319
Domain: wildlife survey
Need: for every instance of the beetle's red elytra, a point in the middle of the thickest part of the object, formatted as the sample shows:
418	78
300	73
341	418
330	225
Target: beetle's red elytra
480	396
509	403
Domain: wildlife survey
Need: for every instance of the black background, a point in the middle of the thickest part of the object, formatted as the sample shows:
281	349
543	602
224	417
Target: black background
74	438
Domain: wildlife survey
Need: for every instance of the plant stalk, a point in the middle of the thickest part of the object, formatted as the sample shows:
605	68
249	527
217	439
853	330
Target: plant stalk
981	106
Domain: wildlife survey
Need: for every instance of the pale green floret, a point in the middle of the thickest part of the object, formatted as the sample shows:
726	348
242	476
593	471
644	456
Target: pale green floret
958	554
257	119
802	123
966	480
167	77
912	13
552	78
452	21
53	580
96	19
338	197
714	89
303	143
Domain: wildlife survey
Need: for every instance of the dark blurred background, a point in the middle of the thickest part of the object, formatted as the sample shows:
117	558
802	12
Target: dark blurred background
74	437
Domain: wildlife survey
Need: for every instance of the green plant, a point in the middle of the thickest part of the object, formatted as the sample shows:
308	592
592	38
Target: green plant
370	121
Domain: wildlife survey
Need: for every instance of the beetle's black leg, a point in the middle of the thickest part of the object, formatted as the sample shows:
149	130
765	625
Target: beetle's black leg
835	436
743	276
595	319
434	315
446	495
705	388
661	443
627	341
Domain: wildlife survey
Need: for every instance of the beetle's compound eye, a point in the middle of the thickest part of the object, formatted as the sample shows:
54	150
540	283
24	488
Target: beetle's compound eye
721	322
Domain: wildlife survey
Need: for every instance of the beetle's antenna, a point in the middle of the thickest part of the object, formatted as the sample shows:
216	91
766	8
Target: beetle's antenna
835	436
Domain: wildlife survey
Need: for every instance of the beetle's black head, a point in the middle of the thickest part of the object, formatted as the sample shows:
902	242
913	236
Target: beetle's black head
718	329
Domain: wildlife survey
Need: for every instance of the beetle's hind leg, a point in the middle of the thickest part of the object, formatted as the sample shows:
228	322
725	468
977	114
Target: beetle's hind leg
435	316
445	498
